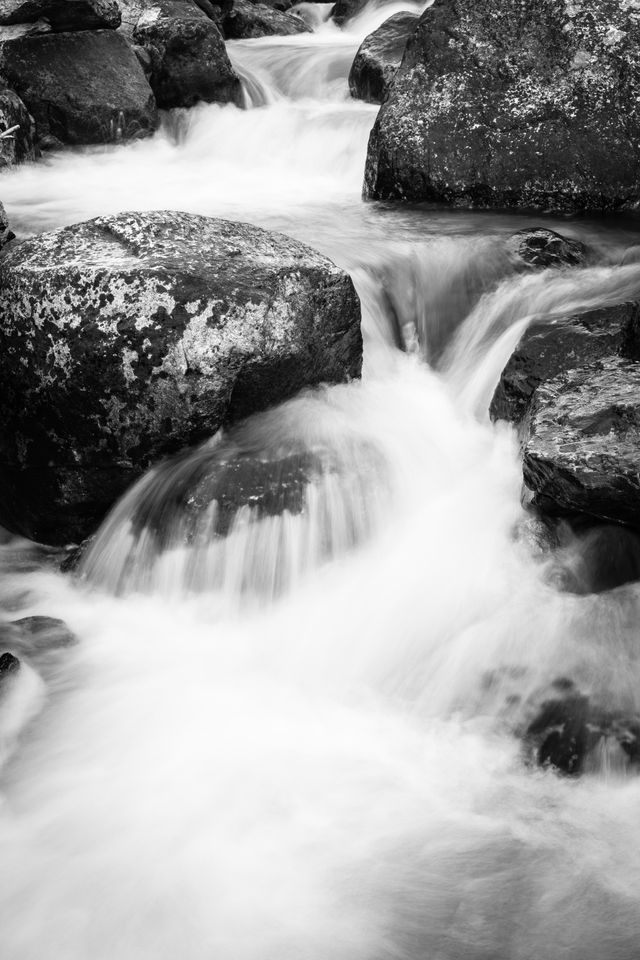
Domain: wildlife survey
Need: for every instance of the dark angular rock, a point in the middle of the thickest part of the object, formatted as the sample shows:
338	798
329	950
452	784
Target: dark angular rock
378	58
80	88
246	20
514	103
5	233
127	338
20	144
548	349
543	248
582	443
188	58
8	666
63	15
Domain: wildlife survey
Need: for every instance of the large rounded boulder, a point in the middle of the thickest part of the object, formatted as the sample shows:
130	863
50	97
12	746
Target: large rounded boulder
514	103
127	338
378	58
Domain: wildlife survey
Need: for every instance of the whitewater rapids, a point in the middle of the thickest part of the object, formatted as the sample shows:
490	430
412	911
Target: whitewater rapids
281	744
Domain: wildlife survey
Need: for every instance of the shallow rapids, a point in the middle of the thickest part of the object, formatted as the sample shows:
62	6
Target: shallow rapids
289	728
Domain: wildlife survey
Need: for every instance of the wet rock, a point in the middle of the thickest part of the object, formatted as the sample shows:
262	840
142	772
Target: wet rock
378	58
43	633
345	10
17	130
246	20
127	338
19	30
548	349
188	57
8	665
62	15
514	103
5	233
582	443
74	555
85	87
544	248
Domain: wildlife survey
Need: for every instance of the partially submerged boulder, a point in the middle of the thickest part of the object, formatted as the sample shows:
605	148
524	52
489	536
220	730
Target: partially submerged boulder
81	88
63	15
345	10
582	443
127	338
188	57
542	248
514	103
548	349
246	20
378	58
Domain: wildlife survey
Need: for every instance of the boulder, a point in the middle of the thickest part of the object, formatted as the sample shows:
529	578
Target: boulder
378	58
345	10
541	248
80	88
62	15
246	20
5	233
18	144
188	57
548	349
581	444
127	338
514	103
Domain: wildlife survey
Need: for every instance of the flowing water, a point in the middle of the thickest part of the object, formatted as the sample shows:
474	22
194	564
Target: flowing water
287	729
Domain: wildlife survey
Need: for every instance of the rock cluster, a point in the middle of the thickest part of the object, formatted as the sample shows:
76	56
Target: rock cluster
128	338
514	103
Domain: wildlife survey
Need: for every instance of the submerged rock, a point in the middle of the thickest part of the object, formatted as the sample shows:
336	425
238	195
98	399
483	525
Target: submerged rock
62	15
85	87
247	19
40	633
548	349
127	338
514	103
188	60
378	58
542	248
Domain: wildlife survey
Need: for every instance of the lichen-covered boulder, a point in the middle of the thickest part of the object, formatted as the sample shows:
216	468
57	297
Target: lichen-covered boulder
63	15
127	338
188	57
246	20
582	443
548	349
514	103
378	58
80	88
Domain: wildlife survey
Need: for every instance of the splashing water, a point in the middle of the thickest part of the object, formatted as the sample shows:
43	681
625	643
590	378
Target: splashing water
285	730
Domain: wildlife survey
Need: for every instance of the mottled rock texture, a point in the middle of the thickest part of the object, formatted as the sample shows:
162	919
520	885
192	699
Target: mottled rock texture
126	338
582	445
188	57
543	248
63	15
549	349
246	20
378	58
84	87
514	103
